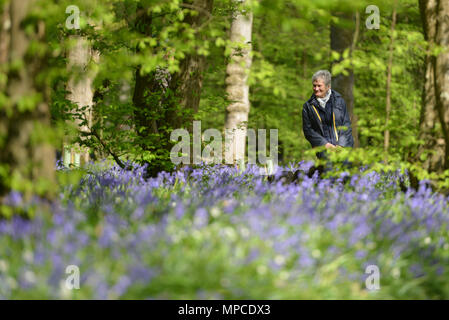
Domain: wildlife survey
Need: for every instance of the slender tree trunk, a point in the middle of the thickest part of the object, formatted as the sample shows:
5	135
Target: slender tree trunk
81	93
430	131
237	88
354	118
25	153
389	68
304	63
441	72
343	38
5	24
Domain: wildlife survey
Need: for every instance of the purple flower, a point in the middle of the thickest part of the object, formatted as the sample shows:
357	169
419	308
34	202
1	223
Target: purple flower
14	199
122	285
141	274
305	260
360	254
201	217
108	236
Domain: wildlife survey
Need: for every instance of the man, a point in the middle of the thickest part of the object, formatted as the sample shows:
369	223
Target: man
325	120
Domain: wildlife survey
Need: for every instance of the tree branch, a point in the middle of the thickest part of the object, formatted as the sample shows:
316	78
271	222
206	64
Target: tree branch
94	133
199	9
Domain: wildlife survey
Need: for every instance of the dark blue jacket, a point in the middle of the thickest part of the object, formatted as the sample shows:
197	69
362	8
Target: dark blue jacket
331	124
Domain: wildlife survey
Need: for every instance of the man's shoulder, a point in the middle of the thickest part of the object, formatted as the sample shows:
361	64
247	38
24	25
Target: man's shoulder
336	94
338	98
310	101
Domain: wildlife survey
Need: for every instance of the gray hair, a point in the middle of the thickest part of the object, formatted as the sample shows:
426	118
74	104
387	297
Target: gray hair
323	75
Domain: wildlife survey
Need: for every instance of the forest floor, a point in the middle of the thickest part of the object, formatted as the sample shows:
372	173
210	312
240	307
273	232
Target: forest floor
220	233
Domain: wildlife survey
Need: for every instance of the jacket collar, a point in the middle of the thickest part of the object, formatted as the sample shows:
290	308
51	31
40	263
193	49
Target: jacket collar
313	98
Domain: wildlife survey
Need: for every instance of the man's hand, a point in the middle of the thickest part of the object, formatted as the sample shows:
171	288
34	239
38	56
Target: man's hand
329	146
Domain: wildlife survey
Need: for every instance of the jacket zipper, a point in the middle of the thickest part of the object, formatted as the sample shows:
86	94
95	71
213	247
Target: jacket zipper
321	123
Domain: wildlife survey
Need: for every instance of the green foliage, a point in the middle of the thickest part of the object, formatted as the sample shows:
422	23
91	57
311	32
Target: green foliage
370	62
291	40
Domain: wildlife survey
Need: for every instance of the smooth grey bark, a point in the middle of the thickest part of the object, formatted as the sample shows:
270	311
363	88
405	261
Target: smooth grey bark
81	93
237	87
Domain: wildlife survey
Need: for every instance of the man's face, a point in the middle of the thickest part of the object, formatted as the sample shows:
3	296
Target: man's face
319	89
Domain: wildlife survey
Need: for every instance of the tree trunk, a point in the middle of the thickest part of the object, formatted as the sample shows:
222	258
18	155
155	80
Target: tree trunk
5	24
343	38
354	118
388	85
441	73
25	151
154	109
304	63
146	118
187	83
430	131
238	88
81	93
